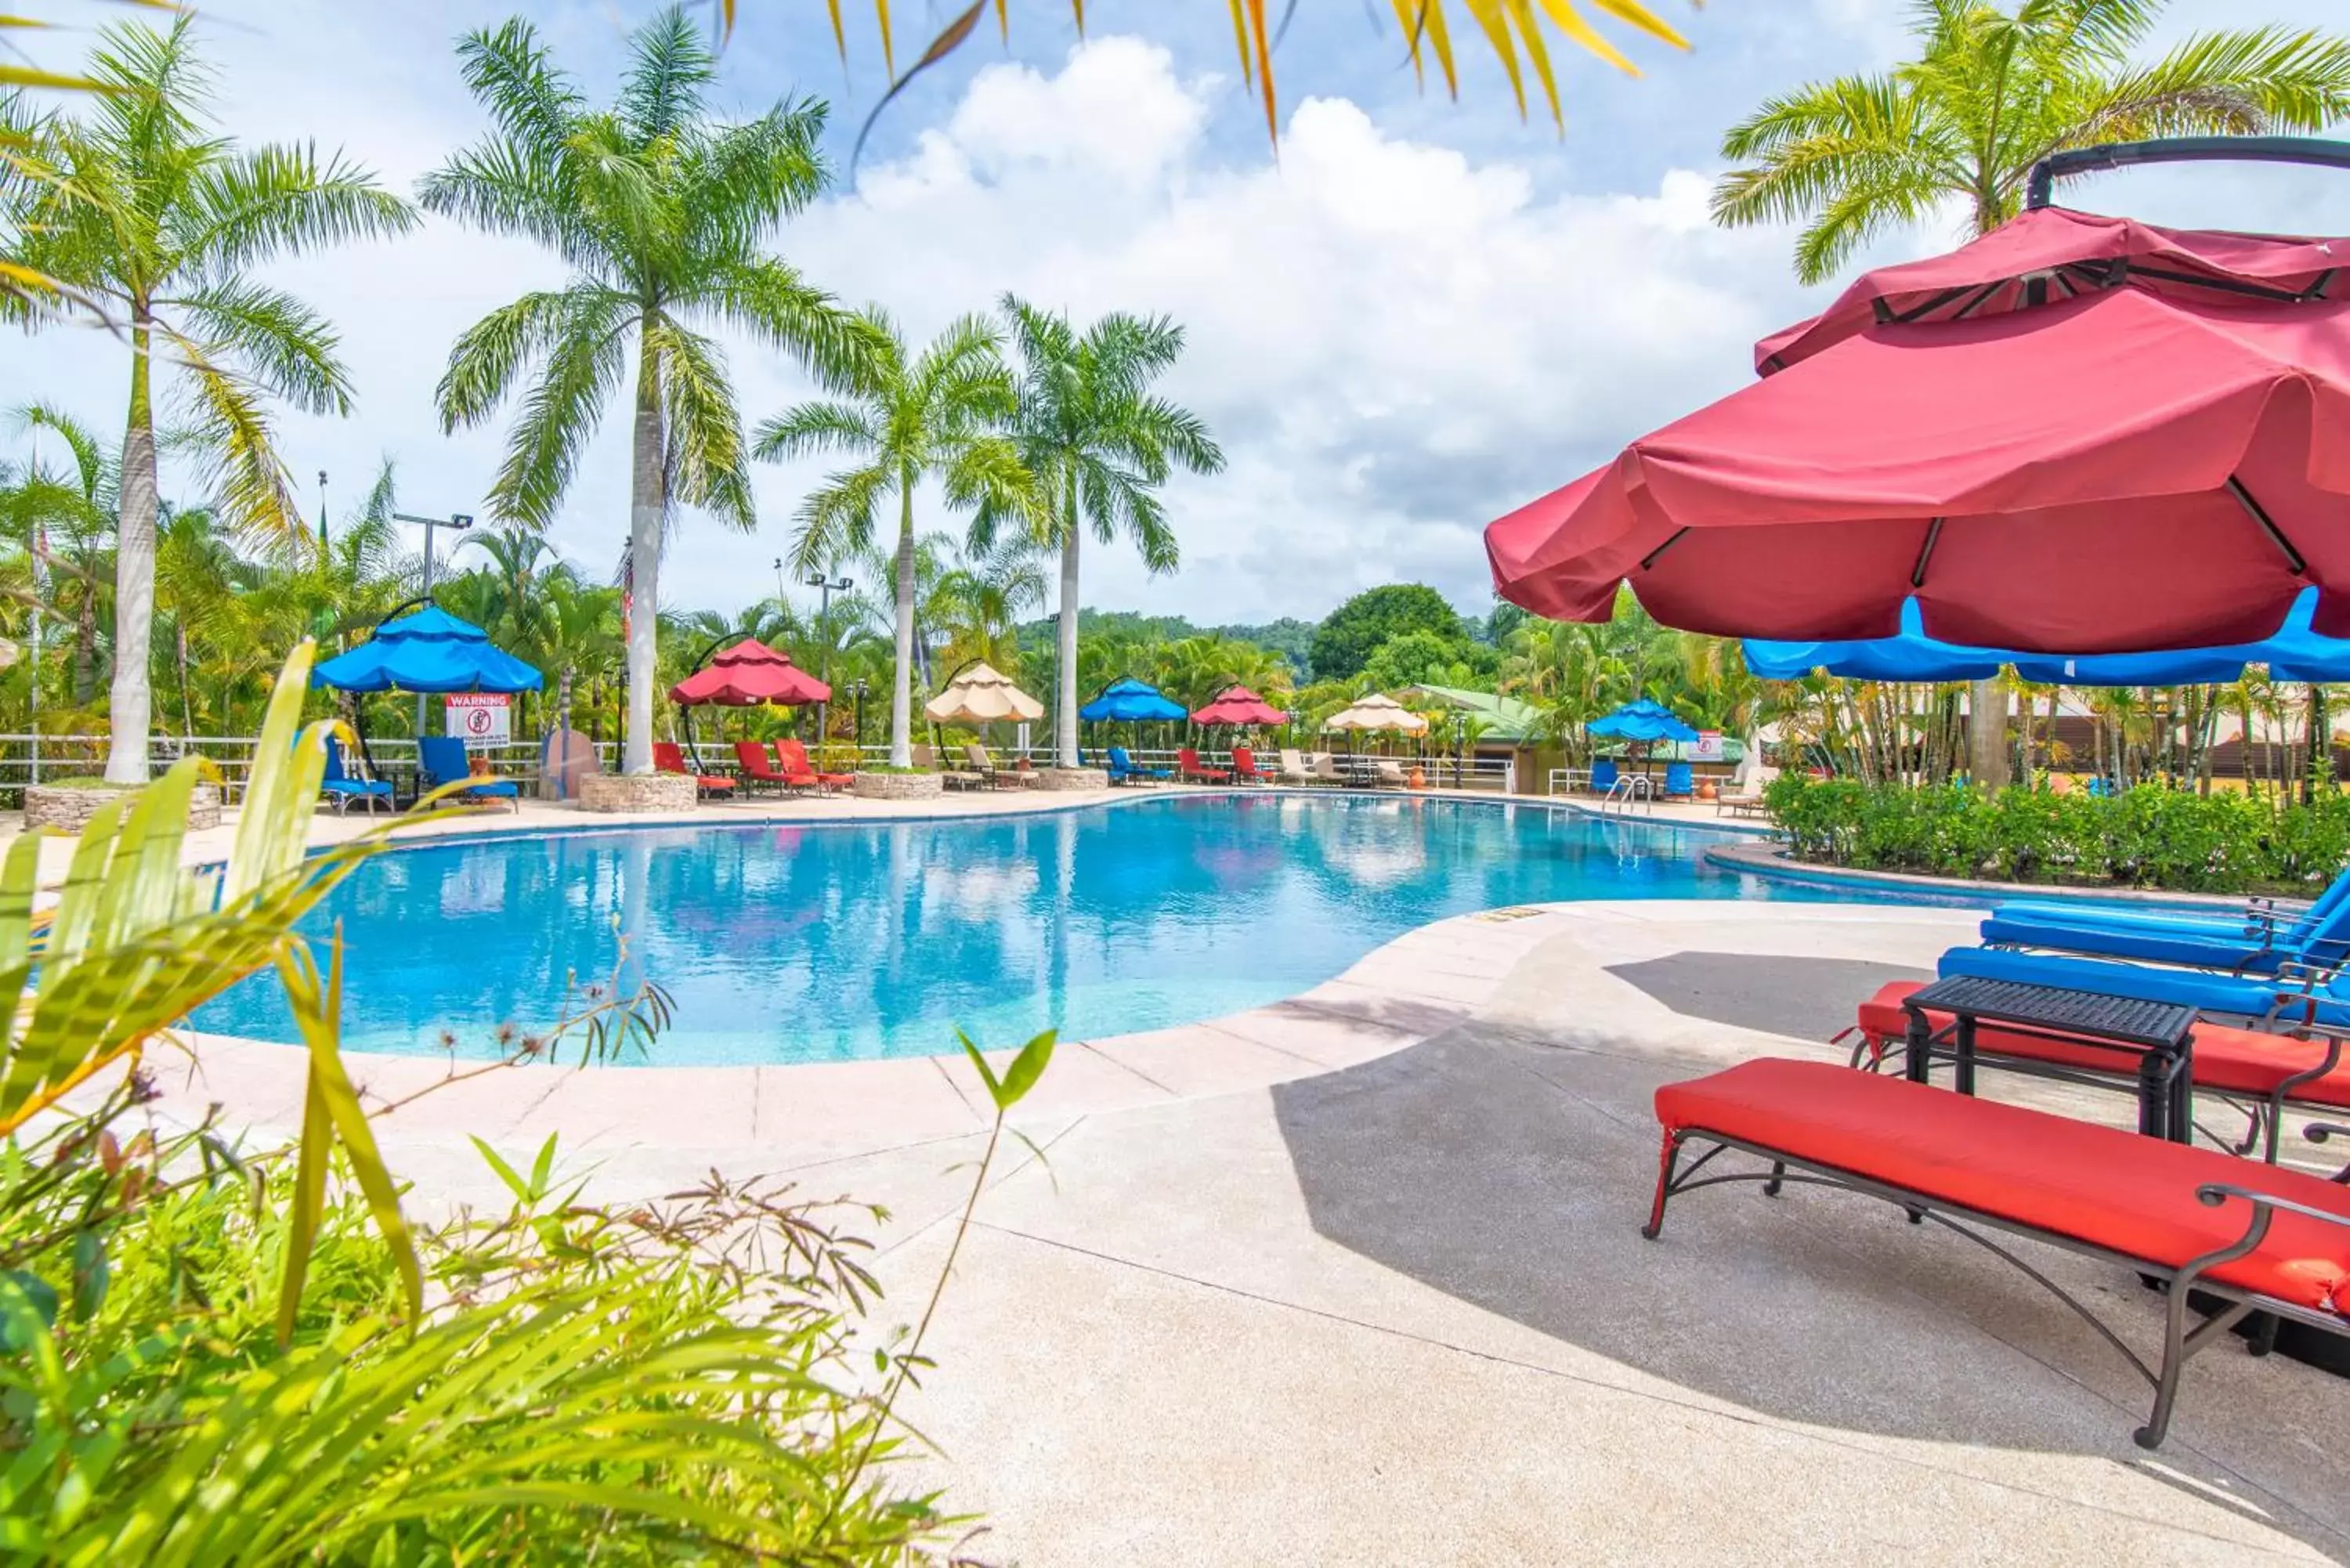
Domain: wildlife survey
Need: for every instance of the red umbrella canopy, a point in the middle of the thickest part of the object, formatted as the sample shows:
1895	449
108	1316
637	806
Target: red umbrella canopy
2069	253
748	674
2124	470
1239	705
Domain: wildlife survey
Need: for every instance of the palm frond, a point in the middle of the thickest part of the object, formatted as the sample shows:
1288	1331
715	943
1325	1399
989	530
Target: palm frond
584	359
272	337
248	478
271	201
670	65
707	466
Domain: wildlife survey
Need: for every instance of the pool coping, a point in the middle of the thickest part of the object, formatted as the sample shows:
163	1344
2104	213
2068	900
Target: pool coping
1775	861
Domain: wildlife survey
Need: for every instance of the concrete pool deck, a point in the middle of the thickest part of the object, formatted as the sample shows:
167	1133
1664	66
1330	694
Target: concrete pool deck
1355	1278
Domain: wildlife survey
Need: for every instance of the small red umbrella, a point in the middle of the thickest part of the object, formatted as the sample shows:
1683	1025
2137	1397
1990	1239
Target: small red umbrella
1239	705
746	675
2137	467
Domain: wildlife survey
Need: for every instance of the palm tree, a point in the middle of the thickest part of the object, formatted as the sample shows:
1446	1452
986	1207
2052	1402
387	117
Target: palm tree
64	517
1101	446
935	417
1991	93
662	215
174	218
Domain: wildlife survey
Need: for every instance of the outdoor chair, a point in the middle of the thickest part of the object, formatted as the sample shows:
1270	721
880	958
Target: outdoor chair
1602	774
1189	766
2258	939
983	766
1747	801
794	756
1389	774
2241	1237
2301	993
2258	1071
1123	769
341	786
1245	768
668	757
442	760
1294	769
1681	781
949	778
1325	769
755	766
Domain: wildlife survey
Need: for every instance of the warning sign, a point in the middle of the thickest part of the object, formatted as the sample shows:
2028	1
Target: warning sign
481	719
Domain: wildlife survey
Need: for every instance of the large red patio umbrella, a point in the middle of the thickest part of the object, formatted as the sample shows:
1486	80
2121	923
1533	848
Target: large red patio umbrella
2137	438
746	675
1239	705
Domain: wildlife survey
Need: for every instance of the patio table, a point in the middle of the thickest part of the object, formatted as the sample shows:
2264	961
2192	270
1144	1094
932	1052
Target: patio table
2159	1036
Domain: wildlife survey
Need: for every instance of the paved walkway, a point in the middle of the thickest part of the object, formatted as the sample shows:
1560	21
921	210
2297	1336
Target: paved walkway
1355	1279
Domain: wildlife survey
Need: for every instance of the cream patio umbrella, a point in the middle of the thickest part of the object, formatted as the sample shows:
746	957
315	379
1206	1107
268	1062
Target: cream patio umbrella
1378	712
979	695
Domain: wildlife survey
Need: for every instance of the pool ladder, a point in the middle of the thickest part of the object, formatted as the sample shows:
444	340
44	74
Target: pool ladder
1633	789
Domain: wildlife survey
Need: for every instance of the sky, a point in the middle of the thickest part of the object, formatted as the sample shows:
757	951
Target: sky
1419	316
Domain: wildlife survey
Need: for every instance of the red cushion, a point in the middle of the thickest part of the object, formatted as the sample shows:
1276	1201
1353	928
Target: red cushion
2131	1195
2228	1061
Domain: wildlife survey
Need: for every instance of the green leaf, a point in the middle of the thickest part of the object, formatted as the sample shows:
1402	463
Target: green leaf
545	1169
90	1274
986	1072
506	1173
1025	1069
30	1297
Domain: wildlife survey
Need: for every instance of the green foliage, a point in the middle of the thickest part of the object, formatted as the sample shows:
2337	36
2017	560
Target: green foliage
2146	837
1344	641
1423	657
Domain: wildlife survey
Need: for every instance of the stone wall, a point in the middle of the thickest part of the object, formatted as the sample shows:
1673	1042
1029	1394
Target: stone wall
897	786
69	810
1074	778
636	792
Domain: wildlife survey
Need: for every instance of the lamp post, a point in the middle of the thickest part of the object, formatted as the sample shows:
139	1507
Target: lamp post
457	521
857	716
322	513
825	586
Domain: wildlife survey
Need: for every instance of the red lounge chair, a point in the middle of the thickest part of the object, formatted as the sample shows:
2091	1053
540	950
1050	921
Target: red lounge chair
1188	765
2257	1238
796	767
2257	1072
1244	768
750	757
669	758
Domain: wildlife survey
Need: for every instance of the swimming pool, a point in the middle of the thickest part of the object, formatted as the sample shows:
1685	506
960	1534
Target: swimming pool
830	942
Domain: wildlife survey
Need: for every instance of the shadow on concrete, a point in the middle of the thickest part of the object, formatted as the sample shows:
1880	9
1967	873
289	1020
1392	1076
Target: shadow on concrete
1801	998
1514	1174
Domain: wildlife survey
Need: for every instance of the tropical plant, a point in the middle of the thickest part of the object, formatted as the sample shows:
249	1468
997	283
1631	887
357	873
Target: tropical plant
663	215
157	222
1100	445
1343	642
63	517
1991	93
935	416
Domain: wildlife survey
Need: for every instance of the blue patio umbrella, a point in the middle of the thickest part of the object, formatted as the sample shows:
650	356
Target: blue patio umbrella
1128	700
2294	652
1643	722
430	652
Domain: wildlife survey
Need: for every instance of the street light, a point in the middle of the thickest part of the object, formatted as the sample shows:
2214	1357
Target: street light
457	521
827	587
856	715
322	513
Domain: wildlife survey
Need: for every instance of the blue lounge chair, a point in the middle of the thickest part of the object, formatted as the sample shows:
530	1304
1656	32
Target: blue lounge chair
441	759
1123	770
2260	939
2295	997
341	786
1681	781
1602	774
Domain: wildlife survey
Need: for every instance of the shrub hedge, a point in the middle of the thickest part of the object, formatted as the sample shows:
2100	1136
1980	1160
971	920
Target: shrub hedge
2146	837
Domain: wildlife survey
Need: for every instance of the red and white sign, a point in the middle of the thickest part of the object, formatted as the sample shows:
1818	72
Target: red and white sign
1706	747
481	719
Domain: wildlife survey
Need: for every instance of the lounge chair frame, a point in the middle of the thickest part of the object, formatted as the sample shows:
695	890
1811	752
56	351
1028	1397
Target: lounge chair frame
2180	1342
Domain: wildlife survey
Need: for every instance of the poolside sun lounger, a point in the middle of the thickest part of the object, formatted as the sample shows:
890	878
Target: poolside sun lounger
1294	769
441	760
1123	769
1325	769
342	786
794	757
2258	1071
2258	938
754	764
1389	774
2253	1238
668	757
1189	766
1245	768
2296	993
1681	781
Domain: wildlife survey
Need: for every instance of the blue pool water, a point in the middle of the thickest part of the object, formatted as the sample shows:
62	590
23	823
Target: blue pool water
833	942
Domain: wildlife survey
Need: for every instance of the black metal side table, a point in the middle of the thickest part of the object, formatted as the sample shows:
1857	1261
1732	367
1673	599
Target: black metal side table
2152	1041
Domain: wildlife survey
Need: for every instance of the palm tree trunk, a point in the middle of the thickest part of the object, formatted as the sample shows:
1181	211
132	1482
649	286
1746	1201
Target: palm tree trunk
1065	704
646	504
187	710
134	576
1987	734
902	689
